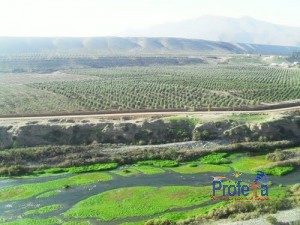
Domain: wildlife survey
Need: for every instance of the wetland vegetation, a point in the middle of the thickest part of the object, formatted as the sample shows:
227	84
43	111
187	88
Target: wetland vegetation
162	201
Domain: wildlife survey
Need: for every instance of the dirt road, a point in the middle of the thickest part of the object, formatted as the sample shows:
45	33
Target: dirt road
147	114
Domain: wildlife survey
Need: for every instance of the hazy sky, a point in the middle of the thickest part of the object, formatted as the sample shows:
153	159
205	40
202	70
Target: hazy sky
109	17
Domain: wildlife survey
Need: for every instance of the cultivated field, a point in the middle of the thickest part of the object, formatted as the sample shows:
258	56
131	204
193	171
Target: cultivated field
177	87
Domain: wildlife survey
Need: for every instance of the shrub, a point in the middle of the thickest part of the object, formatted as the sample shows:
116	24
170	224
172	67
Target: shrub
16	170
203	135
271	219
276	156
226	211
273	206
295	188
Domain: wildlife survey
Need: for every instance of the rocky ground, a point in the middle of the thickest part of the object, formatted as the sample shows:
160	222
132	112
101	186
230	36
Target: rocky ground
291	216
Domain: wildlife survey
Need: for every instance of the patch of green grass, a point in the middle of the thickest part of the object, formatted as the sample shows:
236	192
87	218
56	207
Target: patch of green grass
2	220
149	170
191	120
202	211
77	223
159	163
279	171
250	164
201	169
233	156
80	169
28	221
215	158
137	169
138	201
134	223
42	210
28	190
93	168
126	172
192	164
49	194
248	117
278	192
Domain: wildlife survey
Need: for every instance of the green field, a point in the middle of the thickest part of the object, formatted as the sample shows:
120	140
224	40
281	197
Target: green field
18	98
188	87
180	87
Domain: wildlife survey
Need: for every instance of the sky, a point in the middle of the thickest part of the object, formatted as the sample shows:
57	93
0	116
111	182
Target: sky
109	17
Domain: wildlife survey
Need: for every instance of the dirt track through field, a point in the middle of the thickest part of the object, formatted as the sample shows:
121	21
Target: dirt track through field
146	114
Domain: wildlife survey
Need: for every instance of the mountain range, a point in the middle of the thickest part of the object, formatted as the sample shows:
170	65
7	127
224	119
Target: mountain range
225	29
133	46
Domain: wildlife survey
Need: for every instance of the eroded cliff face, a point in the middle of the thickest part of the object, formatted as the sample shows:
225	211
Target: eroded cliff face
5	137
285	128
145	132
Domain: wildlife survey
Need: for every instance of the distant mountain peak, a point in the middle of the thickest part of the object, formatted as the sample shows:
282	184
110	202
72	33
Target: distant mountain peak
220	28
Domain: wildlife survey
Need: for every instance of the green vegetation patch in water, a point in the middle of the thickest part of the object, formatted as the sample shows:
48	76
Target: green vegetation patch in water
28	190
234	156
138	169
279	170
159	163
187	169
134	223
201	211
215	158
149	170
250	164
77	223
49	194
28	221
42	210
126	172
138	201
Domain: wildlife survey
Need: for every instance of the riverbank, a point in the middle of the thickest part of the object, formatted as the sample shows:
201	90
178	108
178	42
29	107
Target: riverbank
291	216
